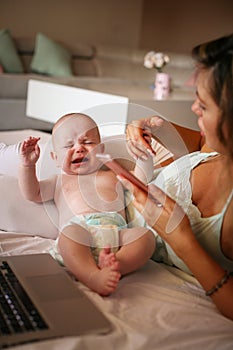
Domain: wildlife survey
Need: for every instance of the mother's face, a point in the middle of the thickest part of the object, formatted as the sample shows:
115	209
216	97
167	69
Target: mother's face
208	112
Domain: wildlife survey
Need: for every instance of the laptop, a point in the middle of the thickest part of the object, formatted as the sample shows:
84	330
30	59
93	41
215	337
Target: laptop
48	101
39	300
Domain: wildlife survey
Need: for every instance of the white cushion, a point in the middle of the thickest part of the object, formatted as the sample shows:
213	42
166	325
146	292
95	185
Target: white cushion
21	215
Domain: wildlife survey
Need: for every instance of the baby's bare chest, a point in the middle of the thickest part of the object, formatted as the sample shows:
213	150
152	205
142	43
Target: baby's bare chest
89	193
89	186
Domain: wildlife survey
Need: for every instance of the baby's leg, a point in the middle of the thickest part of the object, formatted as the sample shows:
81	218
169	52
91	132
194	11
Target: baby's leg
137	246
107	258
79	260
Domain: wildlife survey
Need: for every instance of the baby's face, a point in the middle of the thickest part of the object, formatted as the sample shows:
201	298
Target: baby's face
76	144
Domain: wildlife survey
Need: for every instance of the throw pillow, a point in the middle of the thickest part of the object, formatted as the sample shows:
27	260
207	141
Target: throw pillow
50	58
9	58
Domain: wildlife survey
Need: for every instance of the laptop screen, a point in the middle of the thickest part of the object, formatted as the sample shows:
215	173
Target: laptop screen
49	101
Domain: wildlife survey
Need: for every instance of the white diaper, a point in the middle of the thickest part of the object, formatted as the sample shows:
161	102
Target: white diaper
103	227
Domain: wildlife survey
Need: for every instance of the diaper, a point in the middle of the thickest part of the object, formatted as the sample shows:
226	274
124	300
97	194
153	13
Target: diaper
104	229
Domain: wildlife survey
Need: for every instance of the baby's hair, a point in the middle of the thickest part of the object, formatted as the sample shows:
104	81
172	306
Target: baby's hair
73	115
81	117
76	115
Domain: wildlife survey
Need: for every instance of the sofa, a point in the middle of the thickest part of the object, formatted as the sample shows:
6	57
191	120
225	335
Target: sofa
114	70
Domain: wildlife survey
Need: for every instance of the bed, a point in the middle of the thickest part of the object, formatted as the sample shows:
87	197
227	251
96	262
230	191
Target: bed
156	307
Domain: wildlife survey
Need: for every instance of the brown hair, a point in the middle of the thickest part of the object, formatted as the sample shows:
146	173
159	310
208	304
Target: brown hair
76	115
216	56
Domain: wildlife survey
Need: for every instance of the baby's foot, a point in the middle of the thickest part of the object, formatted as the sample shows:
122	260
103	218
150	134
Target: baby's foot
105	280
107	258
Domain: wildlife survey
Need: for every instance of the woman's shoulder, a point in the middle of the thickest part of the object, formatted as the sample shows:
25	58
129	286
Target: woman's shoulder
206	149
191	160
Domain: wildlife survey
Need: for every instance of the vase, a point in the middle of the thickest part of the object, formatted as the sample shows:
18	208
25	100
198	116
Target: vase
162	86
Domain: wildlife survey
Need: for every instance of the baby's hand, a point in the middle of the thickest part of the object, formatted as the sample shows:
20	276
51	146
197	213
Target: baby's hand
29	151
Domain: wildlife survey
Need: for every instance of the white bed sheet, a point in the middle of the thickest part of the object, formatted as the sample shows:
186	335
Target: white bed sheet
154	308
157	307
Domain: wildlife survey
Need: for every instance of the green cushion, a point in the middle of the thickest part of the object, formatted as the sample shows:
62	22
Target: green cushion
9	58
50	58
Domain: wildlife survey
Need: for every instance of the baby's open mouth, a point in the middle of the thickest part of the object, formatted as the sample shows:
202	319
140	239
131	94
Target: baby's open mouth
79	160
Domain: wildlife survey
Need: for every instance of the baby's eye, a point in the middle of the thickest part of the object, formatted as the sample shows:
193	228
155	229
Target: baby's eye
88	142
68	146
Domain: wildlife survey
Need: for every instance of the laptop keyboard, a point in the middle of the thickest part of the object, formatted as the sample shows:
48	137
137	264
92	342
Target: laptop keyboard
18	314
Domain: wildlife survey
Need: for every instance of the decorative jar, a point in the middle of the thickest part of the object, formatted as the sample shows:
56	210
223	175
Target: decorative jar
162	86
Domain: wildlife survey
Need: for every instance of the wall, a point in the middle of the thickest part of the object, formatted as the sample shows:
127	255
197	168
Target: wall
175	25
181	24
92	21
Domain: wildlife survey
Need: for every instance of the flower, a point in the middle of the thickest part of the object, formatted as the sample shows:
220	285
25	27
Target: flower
155	60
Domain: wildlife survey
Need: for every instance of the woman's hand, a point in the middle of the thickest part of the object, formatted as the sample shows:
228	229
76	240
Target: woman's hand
167	219
138	135
171	223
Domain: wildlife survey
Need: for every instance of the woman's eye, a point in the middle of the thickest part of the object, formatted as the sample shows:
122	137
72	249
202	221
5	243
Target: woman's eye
202	107
88	142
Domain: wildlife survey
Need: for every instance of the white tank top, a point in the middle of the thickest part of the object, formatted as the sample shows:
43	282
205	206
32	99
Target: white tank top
175	181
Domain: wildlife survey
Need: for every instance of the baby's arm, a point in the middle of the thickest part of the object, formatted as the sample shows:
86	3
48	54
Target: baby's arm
29	153
144	169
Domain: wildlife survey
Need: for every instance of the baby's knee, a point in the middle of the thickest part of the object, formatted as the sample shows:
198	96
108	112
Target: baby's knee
78	234
130	235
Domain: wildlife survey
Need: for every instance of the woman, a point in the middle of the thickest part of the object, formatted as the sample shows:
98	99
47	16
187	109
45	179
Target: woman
194	223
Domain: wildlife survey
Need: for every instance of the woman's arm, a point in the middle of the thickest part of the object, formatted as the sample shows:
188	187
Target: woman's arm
192	138
140	132
144	169
170	222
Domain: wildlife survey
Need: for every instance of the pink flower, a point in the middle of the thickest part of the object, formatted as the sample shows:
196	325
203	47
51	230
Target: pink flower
155	60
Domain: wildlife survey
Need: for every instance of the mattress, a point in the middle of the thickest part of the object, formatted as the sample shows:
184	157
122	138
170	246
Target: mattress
156	307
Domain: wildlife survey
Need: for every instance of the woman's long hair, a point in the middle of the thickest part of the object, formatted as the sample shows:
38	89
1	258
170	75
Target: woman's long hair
216	56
